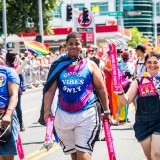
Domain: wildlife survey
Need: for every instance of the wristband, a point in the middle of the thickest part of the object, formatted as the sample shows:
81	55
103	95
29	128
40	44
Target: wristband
121	93
10	109
107	111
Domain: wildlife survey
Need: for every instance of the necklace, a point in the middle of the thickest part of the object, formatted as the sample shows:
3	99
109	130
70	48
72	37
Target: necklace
75	63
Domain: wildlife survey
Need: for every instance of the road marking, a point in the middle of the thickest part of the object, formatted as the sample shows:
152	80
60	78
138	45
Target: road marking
36	155
34	109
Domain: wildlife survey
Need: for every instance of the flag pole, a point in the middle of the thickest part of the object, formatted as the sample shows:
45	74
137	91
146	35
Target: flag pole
24	44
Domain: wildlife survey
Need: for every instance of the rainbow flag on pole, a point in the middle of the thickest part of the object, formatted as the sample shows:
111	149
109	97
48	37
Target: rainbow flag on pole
36	48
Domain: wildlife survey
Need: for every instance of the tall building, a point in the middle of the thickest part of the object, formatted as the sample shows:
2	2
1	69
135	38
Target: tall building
140	14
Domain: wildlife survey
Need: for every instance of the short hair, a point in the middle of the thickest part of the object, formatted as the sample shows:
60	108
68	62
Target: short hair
95	59
73	35
151	54
10	58
63	45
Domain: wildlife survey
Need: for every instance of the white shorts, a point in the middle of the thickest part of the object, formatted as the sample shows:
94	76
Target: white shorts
77	131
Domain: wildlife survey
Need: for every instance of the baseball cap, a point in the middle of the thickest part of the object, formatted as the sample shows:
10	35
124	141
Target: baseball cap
125	55
141	47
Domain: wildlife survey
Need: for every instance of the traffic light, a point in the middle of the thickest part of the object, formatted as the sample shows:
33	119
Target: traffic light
85	15
69	13
38	38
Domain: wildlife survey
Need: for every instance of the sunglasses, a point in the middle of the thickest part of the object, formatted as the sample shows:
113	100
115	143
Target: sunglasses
92	50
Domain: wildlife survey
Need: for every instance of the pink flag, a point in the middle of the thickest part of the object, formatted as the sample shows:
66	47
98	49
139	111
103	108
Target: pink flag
108	137
49	129
113	56
20	148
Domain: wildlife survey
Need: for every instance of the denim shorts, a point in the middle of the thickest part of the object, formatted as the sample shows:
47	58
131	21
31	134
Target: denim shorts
10	148
144	129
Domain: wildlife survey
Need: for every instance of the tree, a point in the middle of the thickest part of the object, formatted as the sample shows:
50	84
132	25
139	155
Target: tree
137	38
22	15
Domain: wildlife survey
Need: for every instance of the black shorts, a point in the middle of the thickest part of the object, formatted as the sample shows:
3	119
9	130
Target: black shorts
144	129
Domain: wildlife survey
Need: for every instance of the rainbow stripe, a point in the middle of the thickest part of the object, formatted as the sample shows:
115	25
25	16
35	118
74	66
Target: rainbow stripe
36	48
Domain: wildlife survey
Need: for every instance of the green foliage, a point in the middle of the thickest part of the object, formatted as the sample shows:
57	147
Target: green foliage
22	15
137	38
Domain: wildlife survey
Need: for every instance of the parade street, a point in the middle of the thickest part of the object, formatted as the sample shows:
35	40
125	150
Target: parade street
126	146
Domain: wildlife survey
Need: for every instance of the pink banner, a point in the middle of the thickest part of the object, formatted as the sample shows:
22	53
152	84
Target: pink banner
108	137
20	148
113	57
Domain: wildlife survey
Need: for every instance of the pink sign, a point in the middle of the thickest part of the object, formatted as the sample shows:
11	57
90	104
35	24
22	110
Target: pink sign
113	56
108	137
147	89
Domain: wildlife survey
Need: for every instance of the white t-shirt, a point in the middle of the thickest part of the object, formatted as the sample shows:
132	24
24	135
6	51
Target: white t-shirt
141	68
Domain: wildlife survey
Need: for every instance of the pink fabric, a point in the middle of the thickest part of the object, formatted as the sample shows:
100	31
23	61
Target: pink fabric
72	107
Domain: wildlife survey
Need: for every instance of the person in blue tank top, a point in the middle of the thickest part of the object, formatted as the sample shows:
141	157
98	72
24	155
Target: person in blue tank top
76	118
9	85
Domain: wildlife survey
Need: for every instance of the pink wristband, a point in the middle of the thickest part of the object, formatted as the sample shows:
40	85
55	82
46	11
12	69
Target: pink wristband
10	109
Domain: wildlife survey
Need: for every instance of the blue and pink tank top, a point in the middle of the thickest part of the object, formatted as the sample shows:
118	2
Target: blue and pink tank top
76	91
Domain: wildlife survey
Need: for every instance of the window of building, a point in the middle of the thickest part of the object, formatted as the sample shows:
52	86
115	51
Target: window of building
57	12
158	8
80	6
103	7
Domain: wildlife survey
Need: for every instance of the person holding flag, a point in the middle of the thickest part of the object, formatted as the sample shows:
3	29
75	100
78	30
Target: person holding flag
147	118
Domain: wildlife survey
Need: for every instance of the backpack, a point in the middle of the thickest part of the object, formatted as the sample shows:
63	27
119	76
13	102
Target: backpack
141	63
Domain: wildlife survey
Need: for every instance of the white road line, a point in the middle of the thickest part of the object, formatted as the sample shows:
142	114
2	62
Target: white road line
34	109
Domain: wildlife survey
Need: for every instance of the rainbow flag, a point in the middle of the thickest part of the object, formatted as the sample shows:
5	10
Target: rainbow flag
36	48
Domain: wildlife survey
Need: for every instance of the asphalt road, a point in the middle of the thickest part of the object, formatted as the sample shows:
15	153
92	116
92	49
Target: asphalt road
125	145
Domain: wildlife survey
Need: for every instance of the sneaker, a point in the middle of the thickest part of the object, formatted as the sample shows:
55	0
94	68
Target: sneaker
128	120
22	127
116	123
103	139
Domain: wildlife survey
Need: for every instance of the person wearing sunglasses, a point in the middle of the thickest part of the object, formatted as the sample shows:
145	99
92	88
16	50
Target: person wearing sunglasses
147	116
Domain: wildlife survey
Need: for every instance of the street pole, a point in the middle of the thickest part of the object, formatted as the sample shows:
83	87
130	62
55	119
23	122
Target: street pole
40	19
72	16
155	23
4	24
122	21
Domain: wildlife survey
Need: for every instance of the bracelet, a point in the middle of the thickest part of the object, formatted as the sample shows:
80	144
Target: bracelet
120	94
10	109
107	111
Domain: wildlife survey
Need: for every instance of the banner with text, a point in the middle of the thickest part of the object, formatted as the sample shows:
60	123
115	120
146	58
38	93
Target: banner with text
113	56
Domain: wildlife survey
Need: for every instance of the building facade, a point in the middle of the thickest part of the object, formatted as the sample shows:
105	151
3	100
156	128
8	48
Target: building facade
137	13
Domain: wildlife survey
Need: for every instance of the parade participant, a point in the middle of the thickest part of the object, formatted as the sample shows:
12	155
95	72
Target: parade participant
76	119
147	126
126	70
140	66
9	85
11	61
62	48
